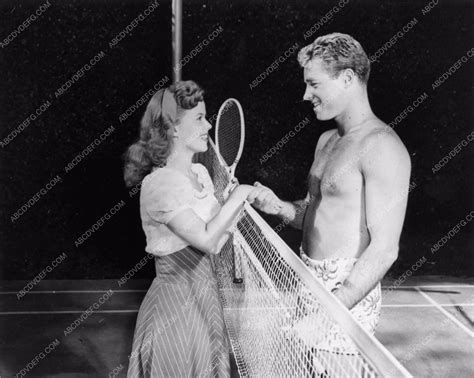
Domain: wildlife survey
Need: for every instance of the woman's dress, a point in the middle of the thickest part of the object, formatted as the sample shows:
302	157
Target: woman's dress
180	330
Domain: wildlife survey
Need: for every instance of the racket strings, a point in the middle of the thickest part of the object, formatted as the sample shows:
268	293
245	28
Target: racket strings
229	133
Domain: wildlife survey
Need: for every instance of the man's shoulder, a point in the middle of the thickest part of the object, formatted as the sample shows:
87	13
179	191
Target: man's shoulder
383	144
327	134
323	138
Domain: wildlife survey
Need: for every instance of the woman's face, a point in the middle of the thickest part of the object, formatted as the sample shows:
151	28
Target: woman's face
192	130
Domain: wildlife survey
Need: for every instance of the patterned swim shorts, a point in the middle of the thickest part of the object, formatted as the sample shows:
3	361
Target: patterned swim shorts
332	273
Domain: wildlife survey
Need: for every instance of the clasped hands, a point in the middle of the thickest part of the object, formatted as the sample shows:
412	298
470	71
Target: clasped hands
260	197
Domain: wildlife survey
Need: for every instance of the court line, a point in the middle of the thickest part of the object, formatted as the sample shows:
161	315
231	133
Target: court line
249	308
446	313
145	290
73	291
414	287
430	305
65	312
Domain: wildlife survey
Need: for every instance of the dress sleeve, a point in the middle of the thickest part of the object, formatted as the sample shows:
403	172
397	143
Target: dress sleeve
167	195
205	178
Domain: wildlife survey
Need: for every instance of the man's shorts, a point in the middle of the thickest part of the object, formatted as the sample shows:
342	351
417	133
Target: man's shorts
332	273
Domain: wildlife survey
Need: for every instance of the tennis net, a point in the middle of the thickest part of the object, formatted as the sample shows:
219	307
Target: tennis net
281	320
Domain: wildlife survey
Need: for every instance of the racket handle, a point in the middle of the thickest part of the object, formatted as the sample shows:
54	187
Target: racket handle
237	264
237	267
230	187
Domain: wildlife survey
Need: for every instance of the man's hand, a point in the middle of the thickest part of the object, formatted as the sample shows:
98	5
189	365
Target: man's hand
265	200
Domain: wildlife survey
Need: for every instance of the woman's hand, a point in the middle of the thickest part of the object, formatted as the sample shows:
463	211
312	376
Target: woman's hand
264	199
234	183
242	191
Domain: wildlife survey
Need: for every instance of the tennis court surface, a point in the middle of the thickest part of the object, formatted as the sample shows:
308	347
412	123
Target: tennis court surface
427	323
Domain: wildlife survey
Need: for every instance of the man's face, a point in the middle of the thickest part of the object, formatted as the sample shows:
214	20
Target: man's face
327	94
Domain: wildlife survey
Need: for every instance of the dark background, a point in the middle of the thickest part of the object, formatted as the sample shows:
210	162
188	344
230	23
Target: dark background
255	33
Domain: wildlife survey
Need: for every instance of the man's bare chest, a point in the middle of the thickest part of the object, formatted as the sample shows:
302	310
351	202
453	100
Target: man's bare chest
335	169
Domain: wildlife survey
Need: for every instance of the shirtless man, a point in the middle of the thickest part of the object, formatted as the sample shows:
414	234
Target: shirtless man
353	213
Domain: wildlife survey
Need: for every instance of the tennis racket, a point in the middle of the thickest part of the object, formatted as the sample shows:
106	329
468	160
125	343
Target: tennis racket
230	138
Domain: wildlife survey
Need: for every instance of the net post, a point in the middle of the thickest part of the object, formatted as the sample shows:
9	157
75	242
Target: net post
176	36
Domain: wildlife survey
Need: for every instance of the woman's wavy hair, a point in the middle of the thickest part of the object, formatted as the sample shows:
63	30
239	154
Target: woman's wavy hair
156	131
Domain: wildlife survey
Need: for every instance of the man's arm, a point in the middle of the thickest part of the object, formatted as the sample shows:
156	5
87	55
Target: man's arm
267	201
386	171
293	212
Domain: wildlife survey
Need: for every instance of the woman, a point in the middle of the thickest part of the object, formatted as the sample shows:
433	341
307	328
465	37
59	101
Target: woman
180	330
